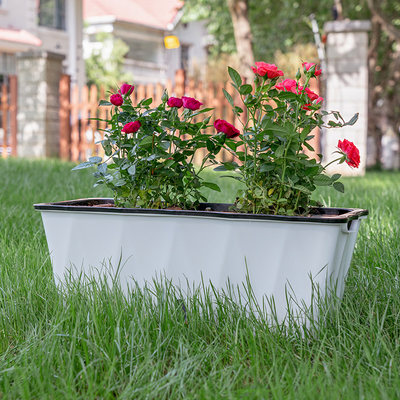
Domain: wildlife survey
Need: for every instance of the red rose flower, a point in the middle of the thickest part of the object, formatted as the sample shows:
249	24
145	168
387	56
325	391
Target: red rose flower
311	95
271	70
175	102
131	127
191	103
289	85
307	67
116	99
350	151
222	126
126	89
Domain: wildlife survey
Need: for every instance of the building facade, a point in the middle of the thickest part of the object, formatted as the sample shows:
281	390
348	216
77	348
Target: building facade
142	25
54	26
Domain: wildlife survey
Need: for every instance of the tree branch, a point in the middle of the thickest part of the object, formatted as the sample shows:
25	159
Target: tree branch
386	24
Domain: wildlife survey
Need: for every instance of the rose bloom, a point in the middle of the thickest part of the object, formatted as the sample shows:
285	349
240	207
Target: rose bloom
191	103
351	152
126	89
116	99
131	127
307	67
223	126
289	85
311	95
271	70
175	102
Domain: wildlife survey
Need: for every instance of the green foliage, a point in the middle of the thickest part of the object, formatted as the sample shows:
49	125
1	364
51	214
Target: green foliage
153	166
276	25
279	178
104	67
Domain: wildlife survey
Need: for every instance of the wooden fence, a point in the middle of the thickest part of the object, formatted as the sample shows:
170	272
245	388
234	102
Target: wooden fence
79	133
8	109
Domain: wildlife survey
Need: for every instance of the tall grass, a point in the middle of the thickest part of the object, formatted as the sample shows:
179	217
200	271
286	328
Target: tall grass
92	342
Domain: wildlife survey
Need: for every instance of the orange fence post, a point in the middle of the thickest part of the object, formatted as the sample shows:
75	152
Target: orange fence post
93	114
4	110
75	148
84	114
64	115
13	113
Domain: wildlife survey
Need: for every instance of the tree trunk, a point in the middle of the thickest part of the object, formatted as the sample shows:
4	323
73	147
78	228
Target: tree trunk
384	106
243	37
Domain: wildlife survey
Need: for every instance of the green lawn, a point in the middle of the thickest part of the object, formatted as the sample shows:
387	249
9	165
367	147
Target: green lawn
96	344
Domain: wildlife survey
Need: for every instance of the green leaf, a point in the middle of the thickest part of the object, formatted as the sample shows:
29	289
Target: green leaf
212	186
237	80
279	151
95	159
335	177
104	103
309	147
353	120
147	102
147	140
230	165
86	164
132	169
238	178
339	186
245	89
285	130
228	97
120	182
312	170
322	180
102	168
238	110
302	189
266	167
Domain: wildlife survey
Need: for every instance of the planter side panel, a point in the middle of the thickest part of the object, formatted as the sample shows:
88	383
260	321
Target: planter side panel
279	258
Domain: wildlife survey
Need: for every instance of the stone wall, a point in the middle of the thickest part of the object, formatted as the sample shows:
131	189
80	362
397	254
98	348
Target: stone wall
347	88
39	75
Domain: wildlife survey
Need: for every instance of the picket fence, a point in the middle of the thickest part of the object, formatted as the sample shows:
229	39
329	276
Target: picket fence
80	132
8	110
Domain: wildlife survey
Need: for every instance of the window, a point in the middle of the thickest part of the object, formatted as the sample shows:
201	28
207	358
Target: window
52	14
142	50
185	57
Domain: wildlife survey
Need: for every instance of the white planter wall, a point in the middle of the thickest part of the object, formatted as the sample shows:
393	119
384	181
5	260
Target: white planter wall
280	256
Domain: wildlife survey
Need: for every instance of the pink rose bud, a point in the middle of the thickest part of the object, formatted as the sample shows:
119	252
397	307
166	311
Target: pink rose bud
175	102
191	103
116	99
289	85
307	67
223	126
131	127
126	89
271	70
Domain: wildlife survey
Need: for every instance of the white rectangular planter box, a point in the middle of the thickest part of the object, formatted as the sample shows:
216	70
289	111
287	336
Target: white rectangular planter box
282	256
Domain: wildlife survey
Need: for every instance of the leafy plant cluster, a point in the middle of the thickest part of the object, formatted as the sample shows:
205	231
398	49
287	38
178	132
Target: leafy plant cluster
152	166
277	126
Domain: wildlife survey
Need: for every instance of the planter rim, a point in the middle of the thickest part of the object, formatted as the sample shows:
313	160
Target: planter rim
218	210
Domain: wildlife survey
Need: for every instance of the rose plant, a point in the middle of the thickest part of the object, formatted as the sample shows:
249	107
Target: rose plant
278	177
150	151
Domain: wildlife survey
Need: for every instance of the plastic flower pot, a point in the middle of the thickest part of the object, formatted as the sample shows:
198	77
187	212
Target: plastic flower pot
282	257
